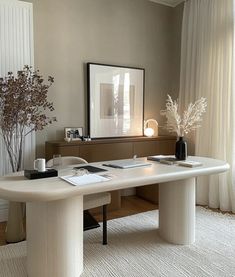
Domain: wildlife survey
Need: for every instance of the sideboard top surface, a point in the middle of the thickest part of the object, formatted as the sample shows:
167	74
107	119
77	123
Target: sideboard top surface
110	140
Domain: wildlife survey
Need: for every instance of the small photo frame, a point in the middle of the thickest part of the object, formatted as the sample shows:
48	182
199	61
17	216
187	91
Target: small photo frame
73	133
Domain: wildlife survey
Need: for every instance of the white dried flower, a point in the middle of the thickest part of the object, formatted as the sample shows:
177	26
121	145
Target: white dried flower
191	117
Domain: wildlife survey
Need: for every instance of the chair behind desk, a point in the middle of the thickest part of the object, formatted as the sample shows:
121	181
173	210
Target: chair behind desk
92	200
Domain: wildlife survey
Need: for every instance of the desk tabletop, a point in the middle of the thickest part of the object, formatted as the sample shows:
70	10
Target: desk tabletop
16	187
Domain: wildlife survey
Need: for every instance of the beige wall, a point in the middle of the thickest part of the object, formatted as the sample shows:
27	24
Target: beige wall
177	24
138	33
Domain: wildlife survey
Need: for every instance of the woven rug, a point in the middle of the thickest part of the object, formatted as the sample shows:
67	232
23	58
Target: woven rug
135	249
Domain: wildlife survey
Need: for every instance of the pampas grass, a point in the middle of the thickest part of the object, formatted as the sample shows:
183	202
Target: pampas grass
192	116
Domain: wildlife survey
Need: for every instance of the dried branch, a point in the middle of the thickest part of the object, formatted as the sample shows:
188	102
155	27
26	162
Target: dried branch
192	116
23	103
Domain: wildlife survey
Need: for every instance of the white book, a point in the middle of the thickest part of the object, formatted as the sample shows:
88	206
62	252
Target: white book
189	163
84	179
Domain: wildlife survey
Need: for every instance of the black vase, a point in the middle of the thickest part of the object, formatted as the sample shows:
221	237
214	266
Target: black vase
181	149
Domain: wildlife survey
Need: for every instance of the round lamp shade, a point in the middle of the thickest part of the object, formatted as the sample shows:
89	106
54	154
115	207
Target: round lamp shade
149	132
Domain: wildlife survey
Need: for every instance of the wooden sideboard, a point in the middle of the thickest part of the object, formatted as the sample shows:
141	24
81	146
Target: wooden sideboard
116	148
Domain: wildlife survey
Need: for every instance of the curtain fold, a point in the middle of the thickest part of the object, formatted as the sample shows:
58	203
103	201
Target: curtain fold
207	69
16	50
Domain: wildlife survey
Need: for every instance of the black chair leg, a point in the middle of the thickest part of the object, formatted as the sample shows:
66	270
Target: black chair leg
104	224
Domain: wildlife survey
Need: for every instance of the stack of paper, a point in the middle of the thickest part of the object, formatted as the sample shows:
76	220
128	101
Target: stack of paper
84	179
170	160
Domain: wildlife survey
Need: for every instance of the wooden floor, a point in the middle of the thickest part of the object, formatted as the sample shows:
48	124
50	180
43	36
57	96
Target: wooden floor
2	233
130	205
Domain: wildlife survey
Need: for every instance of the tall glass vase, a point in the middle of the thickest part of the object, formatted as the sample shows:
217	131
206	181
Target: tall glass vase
181	149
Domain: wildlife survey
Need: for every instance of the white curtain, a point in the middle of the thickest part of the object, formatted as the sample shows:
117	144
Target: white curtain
207	70
16	50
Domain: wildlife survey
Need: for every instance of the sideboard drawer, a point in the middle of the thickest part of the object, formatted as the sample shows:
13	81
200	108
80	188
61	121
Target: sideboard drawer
106	151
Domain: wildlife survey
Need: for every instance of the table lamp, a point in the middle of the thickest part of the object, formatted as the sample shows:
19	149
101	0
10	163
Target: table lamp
148	131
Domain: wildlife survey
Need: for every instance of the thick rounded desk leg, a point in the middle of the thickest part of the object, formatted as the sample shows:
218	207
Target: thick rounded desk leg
15	227
55	238
177	211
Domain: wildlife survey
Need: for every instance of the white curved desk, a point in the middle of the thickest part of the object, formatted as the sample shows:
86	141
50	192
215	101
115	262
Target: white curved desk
55	210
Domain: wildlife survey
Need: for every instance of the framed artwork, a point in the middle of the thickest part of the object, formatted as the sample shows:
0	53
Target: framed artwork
73	133
115	101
